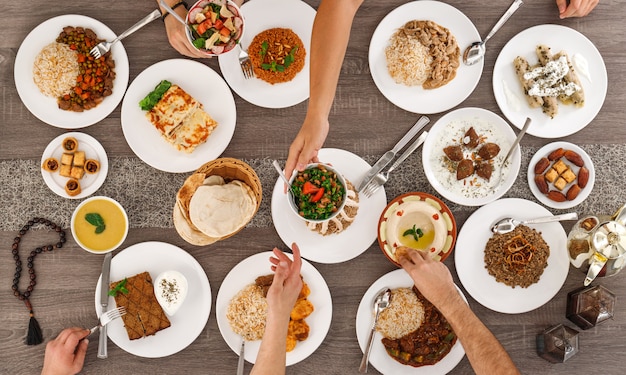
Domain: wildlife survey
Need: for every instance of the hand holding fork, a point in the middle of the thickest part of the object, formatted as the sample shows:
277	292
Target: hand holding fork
108	317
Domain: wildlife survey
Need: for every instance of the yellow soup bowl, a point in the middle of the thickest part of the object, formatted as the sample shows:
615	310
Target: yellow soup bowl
99	224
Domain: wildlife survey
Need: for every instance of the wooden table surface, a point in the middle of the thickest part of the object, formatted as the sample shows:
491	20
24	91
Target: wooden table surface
363	122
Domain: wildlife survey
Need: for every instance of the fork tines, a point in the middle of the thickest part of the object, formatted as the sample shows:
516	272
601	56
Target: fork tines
371	188
246	68
95	52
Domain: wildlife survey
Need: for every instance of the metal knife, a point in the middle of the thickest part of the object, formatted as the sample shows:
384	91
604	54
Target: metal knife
104	302
389	155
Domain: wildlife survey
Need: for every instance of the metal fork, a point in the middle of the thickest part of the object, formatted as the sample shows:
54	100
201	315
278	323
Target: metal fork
104	47
108	317
381	178
245	63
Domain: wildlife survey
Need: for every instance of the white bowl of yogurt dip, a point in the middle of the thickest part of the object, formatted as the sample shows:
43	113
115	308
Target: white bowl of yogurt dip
170	289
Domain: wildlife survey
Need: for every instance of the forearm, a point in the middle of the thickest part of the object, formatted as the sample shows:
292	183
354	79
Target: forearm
331	32
272	355
484	351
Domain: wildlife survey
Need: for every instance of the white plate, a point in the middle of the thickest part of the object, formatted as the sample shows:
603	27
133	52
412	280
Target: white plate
543	152
262	15
470	260
201	82
379	357
416	99
244	274
90	182
570	119
333	248
191	318
441	135
46	108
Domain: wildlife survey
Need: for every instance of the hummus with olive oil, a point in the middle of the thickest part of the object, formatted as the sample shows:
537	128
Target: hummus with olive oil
418	225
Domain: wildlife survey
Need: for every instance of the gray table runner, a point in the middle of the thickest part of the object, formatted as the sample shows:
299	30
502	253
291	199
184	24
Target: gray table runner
148	195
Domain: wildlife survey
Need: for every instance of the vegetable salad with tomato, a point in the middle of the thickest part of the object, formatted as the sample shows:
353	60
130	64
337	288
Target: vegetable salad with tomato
216	25
318	193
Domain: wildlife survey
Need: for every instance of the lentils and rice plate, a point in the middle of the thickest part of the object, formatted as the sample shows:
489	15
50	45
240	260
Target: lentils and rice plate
518	257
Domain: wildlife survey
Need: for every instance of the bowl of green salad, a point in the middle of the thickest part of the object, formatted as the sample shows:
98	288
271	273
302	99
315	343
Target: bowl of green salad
318	193
214	26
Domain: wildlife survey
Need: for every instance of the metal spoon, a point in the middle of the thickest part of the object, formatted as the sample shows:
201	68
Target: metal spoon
241	357
381	302
496	184
506	225
280	172
172	12
475	52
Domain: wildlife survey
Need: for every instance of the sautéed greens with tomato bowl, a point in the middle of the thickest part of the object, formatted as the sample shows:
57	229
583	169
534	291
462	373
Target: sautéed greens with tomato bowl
318	193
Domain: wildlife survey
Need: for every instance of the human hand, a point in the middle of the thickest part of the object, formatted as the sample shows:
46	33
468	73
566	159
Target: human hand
575	8
176	34
66	353
431	277
287	284
305	146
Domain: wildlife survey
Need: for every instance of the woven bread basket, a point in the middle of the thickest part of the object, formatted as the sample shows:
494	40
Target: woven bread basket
234	169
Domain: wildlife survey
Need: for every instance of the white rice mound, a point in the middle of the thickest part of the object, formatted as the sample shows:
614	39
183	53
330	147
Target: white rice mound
247	312
403	316
408	60
55	69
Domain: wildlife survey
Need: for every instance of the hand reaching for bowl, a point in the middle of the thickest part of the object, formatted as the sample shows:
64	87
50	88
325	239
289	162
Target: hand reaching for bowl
575	8
306	145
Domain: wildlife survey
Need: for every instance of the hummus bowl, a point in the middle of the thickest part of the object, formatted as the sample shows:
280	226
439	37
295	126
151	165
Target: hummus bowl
420	221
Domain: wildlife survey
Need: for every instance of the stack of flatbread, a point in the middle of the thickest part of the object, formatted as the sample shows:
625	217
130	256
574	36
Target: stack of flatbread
209	209
181	119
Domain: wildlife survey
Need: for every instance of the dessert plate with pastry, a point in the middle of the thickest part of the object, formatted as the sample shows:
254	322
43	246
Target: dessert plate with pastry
167	295
245	286
343	237
178	114
74	165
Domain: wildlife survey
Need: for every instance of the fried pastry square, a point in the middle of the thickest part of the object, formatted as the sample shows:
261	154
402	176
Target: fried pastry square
560	183
144	316
568	175
67	159
551	175
77	172
560	167
65	170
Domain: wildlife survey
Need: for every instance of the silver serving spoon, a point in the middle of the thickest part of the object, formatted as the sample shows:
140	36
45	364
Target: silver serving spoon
496	184
506	225
476	51
381	302
240	362
280	172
